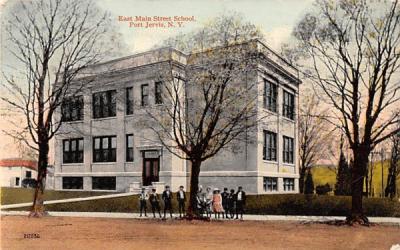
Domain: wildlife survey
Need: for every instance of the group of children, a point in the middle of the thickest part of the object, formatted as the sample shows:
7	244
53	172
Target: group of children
167	200
225	203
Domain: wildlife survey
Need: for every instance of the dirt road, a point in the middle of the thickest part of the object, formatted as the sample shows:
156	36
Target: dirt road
19	232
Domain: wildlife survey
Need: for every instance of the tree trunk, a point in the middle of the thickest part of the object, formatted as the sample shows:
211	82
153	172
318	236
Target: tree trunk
38	206
358	172
301	179
194	187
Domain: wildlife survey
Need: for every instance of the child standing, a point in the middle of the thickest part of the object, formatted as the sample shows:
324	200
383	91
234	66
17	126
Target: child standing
155	204
143	197
217	203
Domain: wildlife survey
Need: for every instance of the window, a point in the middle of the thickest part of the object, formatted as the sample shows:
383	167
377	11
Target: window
103	183
73	150
270	95
72	182
288	105
129	147
72	109
269	148
158	92
28	174
288	149
270	184
104	104
288	184
129	100
16	181
104	149
145	94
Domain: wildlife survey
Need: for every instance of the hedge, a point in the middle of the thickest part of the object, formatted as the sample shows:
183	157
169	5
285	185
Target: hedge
276	204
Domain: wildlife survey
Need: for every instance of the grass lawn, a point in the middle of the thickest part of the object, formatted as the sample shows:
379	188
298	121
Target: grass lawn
322	175
22	195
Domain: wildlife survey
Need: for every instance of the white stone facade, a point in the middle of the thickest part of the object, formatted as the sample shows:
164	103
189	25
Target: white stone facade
244	167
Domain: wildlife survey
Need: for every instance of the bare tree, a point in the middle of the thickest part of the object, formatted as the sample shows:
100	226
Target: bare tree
394	167
313	135
211	104
52	40
353	51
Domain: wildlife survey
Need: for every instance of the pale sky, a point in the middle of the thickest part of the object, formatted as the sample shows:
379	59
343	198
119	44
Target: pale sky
275	18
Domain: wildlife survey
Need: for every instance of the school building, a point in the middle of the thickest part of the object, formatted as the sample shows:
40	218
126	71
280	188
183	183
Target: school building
105	142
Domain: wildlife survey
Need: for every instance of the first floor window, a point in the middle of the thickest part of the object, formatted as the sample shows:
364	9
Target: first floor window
104	149
73	150
270	184
72	182
16	181
288	184
269	147
288	145
104	183
129	147
28	174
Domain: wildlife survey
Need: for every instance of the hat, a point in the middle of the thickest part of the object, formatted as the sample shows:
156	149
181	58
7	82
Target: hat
216	189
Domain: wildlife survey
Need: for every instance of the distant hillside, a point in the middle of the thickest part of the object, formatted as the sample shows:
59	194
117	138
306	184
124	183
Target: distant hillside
326	174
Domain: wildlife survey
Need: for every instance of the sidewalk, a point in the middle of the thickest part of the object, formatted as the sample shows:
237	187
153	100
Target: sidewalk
247	217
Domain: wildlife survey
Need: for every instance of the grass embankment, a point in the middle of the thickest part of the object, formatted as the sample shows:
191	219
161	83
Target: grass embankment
276	204
22	195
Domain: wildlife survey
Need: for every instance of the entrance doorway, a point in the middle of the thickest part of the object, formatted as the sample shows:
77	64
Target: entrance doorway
151	167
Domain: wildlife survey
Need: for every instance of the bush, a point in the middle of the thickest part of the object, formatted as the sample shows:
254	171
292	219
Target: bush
275	204
323	189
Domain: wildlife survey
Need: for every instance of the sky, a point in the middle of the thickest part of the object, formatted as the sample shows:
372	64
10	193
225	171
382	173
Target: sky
275	18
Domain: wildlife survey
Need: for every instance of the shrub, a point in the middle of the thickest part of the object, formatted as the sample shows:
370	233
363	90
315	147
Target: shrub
274	204
323	189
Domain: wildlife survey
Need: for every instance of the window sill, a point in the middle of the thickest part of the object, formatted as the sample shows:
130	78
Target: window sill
288	119
269	111
73	164
288	164
72	122
268	161
104	163
104	118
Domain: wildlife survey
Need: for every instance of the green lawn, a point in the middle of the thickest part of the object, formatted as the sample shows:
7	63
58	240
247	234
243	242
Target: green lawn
322	175
22	195
274	204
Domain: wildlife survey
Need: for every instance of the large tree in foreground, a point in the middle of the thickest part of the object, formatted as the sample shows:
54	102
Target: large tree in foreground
49	42
209	105
353	49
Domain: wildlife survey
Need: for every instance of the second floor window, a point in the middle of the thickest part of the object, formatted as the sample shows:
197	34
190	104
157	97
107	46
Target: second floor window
270	95
73	150
288	145
288	105
104	104
158	93
145	94
104	149
269	147
129	147
72	109
129	100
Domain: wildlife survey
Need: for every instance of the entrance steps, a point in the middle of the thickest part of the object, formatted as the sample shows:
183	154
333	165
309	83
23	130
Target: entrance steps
136	187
